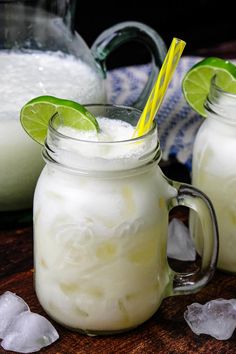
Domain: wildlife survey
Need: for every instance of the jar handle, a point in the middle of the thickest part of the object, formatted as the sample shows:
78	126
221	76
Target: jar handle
189	196
123	32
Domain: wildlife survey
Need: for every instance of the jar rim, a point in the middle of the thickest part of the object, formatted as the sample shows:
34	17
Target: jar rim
137	139
102	155
219	101
220	89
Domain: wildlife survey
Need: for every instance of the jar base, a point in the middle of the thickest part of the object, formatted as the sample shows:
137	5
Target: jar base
92	333
96	333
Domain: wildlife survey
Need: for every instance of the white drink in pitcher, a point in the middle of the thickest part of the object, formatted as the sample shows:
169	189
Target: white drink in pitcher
24	76
100	226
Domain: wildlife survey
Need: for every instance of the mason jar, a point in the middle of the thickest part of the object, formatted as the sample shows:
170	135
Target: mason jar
100	229
214	170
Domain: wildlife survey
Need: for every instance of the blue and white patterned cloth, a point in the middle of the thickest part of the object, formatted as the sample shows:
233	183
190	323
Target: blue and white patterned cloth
178	123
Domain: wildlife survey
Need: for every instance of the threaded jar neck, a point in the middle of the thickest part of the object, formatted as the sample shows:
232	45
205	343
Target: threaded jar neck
101	156
220	103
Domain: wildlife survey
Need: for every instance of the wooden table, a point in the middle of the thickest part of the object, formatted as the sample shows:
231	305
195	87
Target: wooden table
165	332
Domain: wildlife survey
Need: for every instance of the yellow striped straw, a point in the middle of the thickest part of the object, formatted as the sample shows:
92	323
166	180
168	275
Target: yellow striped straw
159	89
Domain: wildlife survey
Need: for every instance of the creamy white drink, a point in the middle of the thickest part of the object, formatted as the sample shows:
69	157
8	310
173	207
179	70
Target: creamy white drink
214	171
100	226
25	76
101	210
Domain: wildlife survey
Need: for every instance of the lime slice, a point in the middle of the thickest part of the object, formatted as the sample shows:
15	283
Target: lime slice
196	83
36	114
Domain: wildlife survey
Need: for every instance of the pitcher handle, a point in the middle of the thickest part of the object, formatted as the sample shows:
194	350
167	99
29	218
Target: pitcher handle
123	32
191	197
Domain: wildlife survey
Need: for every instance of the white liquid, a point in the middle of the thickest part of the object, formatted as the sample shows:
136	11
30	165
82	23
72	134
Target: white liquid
23	77
121	154
109	130
214	172
100	242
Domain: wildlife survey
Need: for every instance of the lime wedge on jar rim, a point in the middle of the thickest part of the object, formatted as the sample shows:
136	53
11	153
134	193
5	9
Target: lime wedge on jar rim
197	81
35	116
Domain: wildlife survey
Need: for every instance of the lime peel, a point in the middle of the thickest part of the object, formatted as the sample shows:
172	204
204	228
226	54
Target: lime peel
197	81
36	113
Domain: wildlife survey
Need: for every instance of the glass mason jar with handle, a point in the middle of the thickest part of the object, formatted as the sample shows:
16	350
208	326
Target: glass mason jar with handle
214	170
100	229
41	54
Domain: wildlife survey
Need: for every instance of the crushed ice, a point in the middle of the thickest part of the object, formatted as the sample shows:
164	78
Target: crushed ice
29	333
11	305
180	244
216	318
23	331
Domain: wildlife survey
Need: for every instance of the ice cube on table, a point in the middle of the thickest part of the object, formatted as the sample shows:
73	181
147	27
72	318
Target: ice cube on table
180	244
216	318
29	333
11	305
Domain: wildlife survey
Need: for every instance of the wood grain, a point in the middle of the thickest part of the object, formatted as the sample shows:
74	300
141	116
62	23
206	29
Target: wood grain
165	332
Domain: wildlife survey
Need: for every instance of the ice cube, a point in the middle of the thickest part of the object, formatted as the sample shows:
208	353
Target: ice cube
216	318
28	333
180	244
11	305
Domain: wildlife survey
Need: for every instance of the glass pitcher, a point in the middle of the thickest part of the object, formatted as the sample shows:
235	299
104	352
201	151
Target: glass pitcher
100	227
41	54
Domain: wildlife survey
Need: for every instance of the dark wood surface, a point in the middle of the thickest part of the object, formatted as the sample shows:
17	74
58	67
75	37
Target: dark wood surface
165	332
